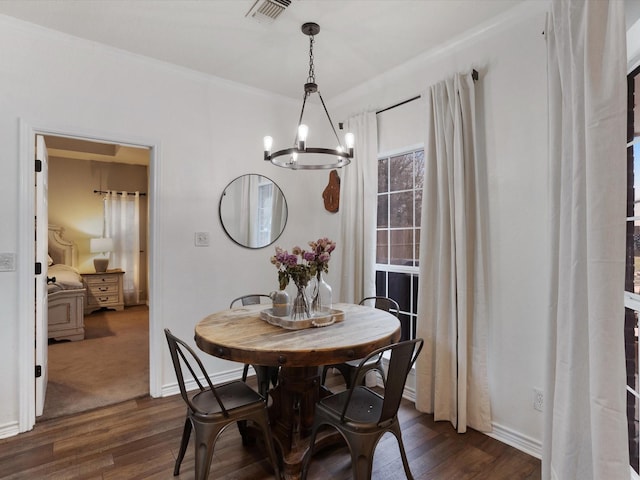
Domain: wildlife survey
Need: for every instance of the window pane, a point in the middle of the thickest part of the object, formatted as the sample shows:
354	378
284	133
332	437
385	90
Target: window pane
383	214
418	203
406	327
631	347
417	248
401	209
381	283
401	172
382	246
383	176
419	169
414	281
400	288
636	179
636	256
401	247
632	415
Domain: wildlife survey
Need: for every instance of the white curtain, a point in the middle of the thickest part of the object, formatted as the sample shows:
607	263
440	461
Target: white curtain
122	218
585	428
451	372
358	201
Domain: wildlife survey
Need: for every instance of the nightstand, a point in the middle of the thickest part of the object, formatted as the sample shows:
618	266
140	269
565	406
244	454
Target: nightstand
104	290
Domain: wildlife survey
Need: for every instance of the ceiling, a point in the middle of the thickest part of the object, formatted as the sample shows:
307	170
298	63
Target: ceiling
358	40
81	149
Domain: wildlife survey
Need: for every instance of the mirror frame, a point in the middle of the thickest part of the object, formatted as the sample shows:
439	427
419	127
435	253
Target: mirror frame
225	227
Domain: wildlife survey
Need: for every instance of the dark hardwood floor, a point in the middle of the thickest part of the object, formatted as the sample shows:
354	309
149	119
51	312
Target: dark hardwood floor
140	438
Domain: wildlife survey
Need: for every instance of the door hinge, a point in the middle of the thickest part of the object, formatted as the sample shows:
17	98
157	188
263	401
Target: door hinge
38	268
38	165
38	371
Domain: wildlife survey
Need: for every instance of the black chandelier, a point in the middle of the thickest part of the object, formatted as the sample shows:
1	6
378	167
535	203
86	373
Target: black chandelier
331	157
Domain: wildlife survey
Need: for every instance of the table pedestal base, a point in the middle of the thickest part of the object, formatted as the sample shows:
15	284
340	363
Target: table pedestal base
291	415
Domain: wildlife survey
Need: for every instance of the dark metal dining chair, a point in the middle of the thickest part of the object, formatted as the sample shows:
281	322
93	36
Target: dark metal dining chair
251	299
362	416
348	369
212	408
264	374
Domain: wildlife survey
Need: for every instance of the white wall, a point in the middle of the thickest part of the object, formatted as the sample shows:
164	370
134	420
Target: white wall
205	132
512	100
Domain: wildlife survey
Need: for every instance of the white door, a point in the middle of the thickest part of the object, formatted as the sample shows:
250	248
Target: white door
41	256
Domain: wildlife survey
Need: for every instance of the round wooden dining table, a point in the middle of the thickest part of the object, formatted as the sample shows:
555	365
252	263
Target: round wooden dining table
242	335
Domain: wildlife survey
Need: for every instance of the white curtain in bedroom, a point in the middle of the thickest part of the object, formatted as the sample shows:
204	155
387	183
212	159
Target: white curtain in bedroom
585	429
451	372
358	201
122	218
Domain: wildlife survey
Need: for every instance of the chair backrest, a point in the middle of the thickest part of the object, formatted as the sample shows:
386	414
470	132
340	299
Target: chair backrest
251	299
382	303
182	354
403	356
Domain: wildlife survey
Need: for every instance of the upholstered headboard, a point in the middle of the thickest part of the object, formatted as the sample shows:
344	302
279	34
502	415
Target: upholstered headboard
61	250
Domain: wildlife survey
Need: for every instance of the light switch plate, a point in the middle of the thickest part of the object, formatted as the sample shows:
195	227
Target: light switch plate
202	239
7	262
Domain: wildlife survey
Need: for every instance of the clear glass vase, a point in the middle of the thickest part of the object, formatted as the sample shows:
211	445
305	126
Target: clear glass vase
300	307
320	294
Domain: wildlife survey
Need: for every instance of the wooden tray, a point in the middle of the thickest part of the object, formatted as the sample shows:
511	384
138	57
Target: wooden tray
326	318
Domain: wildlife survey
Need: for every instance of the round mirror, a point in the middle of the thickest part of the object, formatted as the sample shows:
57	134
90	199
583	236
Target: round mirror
253	211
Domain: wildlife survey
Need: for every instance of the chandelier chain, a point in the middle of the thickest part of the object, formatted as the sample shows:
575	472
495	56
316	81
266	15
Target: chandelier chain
312	73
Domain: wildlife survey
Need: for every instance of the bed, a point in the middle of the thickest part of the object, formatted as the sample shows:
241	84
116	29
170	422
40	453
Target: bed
66	290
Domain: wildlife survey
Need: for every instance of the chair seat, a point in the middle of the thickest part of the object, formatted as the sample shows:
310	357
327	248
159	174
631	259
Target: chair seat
365	407
363	416
232	394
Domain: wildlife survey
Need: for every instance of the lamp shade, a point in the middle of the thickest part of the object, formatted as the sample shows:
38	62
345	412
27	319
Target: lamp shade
101	245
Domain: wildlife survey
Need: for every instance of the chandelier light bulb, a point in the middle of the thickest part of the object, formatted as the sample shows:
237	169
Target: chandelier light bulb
349	140
303	130
268	143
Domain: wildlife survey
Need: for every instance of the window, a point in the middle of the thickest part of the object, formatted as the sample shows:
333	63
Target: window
632	273
400	182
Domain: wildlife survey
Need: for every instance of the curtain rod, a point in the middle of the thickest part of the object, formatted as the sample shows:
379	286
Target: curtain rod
102	192
474	75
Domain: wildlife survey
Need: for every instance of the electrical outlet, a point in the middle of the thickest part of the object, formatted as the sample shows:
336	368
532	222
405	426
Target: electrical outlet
202	239
7	262
538	399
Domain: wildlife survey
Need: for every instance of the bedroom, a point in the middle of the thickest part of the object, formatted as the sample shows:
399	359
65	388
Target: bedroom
79	172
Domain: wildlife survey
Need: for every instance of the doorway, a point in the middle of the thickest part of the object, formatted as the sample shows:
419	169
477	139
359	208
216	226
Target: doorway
105	367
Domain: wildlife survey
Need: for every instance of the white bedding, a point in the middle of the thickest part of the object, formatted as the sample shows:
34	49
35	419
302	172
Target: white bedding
66	278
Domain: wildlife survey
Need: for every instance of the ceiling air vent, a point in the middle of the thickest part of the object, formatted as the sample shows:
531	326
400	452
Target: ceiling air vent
266	11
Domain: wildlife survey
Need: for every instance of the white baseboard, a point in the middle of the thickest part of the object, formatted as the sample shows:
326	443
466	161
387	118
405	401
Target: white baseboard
9	430
517	440
501	433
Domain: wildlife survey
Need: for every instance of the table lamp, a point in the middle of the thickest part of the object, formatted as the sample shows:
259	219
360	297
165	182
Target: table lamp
101	245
